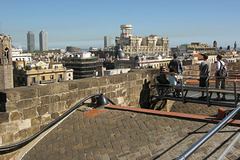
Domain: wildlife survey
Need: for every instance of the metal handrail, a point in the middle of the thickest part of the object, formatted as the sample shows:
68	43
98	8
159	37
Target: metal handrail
214	130
224	153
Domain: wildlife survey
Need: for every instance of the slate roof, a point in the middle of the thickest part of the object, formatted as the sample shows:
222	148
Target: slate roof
108	134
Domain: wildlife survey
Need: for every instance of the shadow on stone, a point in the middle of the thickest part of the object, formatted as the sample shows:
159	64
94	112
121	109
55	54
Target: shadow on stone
144	100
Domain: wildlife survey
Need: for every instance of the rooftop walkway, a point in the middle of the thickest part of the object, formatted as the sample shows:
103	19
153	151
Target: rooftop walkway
123	133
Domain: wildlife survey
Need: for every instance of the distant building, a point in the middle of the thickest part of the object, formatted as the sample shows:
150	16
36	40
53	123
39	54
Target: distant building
30	41
235	46
196	47
107	42
6	73
43	40
138	45
40	65
23	77
139	61
84	64
17	55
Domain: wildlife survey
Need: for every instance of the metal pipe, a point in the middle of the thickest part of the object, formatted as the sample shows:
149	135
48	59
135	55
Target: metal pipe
219	126
24	142
229	147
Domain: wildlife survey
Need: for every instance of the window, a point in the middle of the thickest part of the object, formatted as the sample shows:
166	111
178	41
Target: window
33	80
43	78
60	77
52	77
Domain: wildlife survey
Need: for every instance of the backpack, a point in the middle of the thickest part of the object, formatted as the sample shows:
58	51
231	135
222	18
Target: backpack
223	70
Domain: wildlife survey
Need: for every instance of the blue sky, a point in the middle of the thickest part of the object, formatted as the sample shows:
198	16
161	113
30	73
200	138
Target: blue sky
84	23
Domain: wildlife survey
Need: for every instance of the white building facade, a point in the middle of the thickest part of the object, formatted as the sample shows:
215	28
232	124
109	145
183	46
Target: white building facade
138	45
17	55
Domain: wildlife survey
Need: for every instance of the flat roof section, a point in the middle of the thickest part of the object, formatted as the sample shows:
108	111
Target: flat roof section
119	134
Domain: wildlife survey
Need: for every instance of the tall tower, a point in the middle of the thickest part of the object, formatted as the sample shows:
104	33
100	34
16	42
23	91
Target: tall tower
107	42
126	30
30	41
235	46
215	44
6	71
43	40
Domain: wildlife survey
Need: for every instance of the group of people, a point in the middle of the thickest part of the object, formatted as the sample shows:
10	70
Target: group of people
171	77
205	69
175	70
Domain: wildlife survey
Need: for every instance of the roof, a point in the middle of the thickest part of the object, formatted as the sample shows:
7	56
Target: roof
107	133
199	56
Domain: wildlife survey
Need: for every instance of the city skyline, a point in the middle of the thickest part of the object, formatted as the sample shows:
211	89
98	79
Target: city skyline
84	24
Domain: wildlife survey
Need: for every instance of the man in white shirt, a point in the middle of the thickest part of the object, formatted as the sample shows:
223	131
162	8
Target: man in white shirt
220	81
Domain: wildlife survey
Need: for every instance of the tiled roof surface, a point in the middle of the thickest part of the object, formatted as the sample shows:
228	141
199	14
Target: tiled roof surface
110	134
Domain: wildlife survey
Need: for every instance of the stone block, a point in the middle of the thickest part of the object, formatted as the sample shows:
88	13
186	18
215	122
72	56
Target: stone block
22	134
93	82
23	124
43	109
54	115
102	81
94	90
4	117
7	138
29	113
59	88
44	90
12	95
72	85
45	100
110	80
118	79
53	108
55	99
83	84
70	103
11	106
26	93
46	119
61	106
131	76
35	121
26	103
73	95
11	127
64	96
15	116
2	128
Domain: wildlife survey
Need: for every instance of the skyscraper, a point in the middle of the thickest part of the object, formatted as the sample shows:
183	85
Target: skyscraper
107	42
30	41
43	40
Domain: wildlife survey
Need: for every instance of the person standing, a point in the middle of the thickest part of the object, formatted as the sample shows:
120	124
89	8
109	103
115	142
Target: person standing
205	69
220	81
176	64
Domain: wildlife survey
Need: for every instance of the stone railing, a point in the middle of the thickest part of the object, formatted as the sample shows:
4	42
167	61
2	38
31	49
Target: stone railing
26	110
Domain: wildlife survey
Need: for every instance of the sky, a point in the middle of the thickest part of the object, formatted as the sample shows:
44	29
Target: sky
84	23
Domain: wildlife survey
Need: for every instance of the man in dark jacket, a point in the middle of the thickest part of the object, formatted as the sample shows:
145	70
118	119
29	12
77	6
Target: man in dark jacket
176	64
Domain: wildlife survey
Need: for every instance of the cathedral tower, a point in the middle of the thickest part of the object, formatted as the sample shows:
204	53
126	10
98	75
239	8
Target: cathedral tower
6	71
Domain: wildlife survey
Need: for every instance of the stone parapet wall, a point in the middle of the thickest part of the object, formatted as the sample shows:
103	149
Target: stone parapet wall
26	110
